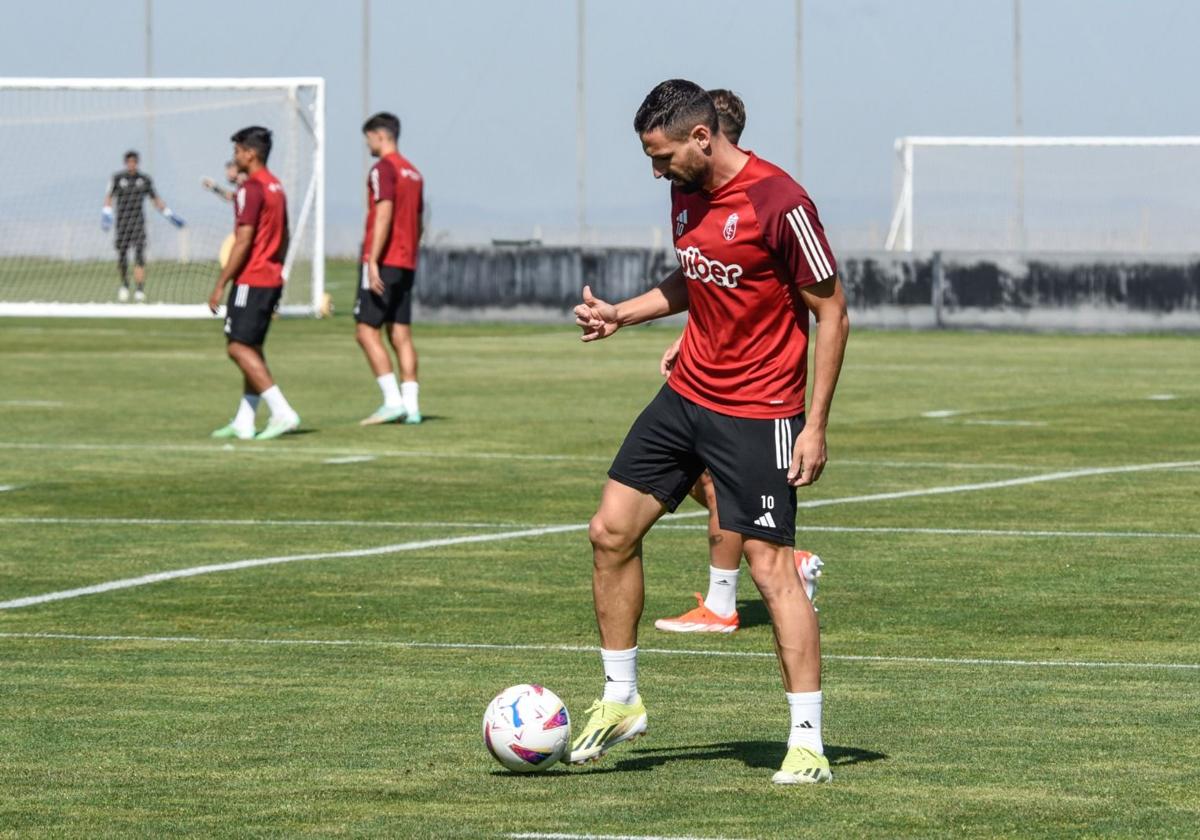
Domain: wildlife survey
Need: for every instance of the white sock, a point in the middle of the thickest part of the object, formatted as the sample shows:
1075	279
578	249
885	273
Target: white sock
722	591
390	389
620	674
408	390
806	720
278	403
244	419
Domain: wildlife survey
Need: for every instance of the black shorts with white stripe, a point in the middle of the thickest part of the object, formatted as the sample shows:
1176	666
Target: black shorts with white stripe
249	311
674	440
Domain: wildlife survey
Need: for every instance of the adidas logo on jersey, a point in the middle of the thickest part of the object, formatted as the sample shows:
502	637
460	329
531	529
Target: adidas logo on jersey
765	521
680	224
696	266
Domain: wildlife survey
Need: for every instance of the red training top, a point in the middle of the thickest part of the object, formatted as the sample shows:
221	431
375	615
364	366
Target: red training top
393	178
746	251
261	203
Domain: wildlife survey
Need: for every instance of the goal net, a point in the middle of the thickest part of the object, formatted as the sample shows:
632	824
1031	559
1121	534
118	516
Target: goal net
62	143
1097	194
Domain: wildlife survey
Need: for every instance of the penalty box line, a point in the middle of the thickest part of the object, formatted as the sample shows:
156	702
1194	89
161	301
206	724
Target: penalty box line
482	646
195	571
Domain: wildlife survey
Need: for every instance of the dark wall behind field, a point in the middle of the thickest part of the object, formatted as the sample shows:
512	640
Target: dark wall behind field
1074	292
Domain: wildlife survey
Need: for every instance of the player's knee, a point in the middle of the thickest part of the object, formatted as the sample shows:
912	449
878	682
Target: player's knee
772	570
366	335
606	538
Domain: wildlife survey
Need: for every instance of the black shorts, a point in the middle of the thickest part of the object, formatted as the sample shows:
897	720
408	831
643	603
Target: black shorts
394	306
134	238
674	440
248	313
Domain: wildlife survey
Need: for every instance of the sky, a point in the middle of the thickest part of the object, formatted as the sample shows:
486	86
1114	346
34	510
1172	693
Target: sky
486	88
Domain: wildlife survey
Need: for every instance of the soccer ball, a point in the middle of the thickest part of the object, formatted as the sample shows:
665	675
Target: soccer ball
526	728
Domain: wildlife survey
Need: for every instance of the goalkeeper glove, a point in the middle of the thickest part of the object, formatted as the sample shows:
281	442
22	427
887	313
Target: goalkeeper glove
170	216
106	219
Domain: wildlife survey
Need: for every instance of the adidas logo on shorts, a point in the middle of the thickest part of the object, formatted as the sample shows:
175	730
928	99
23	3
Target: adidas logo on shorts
765	521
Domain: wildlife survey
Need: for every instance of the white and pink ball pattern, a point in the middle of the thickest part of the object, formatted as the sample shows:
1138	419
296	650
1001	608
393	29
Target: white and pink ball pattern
526	728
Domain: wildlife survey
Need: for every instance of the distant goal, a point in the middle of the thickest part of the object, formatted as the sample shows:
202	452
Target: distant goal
63	140
1128	195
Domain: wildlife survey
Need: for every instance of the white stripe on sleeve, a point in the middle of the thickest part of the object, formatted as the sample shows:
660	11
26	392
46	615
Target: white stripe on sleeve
803	245
806	223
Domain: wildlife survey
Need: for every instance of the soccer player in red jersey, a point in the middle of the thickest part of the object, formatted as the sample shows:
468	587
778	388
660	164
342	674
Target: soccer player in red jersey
395	204
754	264
716	612
255	267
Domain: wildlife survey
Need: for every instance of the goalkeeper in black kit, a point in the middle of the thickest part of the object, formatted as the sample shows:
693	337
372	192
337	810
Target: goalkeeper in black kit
127	191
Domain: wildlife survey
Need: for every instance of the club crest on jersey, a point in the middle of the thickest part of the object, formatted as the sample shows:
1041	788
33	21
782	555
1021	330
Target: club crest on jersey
730	230
696	266
680	224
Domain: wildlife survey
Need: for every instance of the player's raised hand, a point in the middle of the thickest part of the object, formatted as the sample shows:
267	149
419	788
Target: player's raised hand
808	458
596	318
667	363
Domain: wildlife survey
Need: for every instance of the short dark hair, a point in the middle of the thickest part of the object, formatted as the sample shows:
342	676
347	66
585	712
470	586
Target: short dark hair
383	120
731	113
676	106
257	139
132	154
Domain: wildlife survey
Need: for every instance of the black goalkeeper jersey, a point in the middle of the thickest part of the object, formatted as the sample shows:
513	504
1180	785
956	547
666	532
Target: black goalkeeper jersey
129	193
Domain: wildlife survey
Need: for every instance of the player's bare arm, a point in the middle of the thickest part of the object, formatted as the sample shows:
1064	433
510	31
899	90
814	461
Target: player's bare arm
379	239
827	302
242	241
600	319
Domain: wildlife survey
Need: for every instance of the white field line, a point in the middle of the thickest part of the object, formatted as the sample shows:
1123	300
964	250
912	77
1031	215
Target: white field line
995	485
1005	423
254	523
971	532
355	523
194	571
349	459
1161	397
719	654
158	577
4	488
32	403
535	835
937	465
273	449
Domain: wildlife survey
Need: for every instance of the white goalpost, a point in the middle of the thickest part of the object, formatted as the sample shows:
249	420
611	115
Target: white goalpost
63	143
1095	194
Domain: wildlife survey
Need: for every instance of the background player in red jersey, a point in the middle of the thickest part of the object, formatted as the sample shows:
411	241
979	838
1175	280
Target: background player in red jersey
754	263
717	612
389	262
255	267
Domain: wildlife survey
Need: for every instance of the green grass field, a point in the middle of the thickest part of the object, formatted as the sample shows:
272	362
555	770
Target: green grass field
1012	660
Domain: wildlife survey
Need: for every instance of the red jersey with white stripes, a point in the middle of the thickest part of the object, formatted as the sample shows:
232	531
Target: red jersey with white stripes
261	203
746	250
395	179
